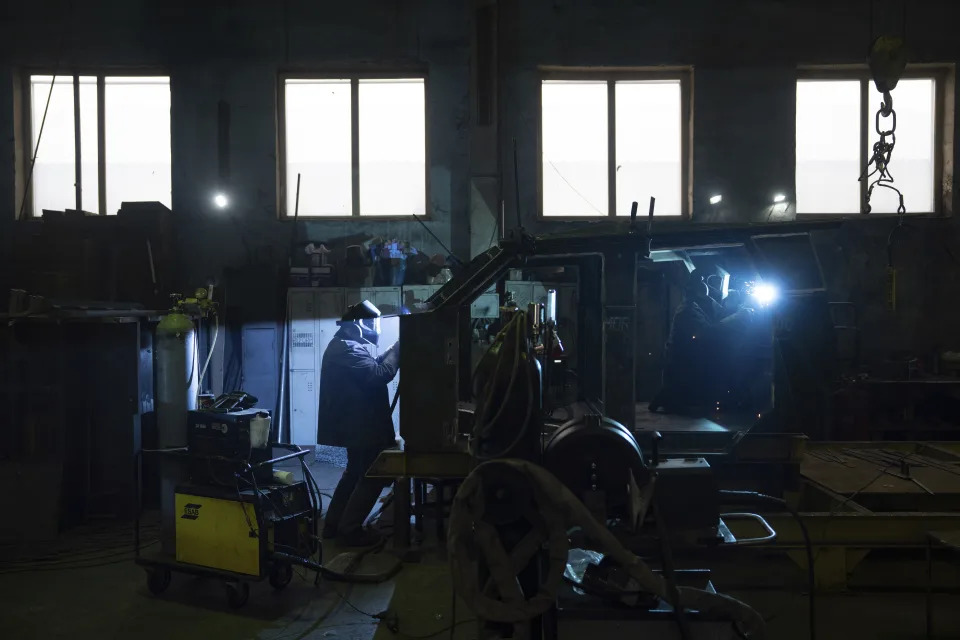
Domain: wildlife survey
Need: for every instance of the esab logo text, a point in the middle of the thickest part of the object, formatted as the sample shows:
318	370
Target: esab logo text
191	511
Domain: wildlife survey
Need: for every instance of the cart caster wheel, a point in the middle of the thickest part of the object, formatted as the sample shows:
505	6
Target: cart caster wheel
158	580
237	594
280	575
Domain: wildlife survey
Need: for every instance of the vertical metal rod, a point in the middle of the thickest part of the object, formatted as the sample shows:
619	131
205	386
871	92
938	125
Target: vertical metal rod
612	148
503	219
516	182
102	146
864	137
401	514
153	270
296	214
296	201
78	173
929	594
653	203
929	598
138	505
355	142
27	193
939	204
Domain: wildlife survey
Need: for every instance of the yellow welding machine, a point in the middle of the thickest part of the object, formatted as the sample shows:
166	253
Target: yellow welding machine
219	532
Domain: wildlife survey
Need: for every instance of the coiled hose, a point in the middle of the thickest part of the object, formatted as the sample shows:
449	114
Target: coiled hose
484	427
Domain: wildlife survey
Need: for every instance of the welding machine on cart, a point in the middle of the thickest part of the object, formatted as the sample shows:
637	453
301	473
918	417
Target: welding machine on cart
234	519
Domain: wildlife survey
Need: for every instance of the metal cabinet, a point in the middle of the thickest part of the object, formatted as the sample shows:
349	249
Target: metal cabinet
387	299
418	293
313	315
487	305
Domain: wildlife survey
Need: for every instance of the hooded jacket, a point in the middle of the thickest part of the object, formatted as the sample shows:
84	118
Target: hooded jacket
354	409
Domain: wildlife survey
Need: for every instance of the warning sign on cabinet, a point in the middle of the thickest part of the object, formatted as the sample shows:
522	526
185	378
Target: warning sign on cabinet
302	339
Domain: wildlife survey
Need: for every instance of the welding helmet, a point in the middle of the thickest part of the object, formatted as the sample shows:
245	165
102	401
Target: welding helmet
366	317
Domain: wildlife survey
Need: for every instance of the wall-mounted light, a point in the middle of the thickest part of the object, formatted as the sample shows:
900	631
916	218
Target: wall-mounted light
777	199
220	200
716	199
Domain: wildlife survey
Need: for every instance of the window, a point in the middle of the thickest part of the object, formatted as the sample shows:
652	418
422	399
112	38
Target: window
606	143
358	144
836	130
118	127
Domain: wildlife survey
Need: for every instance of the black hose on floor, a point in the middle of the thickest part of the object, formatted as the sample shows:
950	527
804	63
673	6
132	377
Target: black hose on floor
755	498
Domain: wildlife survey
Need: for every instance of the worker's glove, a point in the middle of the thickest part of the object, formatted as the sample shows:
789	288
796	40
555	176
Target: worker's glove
392	355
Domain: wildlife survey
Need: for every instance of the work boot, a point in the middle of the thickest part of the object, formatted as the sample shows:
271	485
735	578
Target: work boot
361	538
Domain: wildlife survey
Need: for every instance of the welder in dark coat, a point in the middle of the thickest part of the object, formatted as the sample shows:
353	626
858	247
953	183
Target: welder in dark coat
354	412
698	351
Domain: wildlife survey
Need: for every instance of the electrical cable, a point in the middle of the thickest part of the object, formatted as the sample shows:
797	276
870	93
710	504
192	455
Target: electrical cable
502	339
863	488
299	635
67	552
243	508
78	563
213	345
753	497
427	636
96	543
386	616
69	567
346	601
518	326
318	508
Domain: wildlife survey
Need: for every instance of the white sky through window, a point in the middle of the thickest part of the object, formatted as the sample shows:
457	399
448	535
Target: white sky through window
574	138
318	146
137	116
392	147
828	146
54	172
649	145
829	154
913	155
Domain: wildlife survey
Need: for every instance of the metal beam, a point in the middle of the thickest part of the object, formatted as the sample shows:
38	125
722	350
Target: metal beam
619	337
861	530
400	464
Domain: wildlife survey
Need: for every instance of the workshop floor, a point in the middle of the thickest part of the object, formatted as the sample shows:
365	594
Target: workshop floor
111	601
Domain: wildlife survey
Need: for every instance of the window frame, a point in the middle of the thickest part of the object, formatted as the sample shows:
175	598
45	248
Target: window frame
611	75
25	146
354	75
941	74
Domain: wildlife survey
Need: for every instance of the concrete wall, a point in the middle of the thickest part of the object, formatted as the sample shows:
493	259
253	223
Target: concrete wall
233	51
744	53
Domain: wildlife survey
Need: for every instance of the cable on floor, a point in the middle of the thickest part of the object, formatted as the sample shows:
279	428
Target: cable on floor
78	563
392	620
753	497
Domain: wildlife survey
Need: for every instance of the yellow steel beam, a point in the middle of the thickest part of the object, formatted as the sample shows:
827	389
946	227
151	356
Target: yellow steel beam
402	464
861	530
